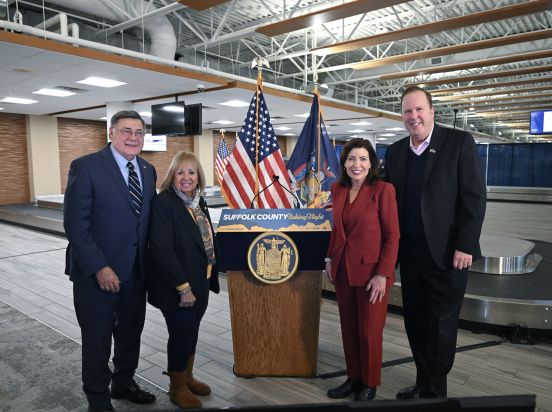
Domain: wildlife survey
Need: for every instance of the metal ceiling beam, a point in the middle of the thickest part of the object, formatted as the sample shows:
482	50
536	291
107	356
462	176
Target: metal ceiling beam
201	4
459	48
469	65
138	20
491	85
326	15
501	13
489	75
490	93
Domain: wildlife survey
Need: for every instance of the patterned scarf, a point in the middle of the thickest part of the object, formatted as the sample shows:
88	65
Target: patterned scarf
192	203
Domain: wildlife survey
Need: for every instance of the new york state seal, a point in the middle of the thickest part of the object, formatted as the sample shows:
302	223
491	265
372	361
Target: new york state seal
272	257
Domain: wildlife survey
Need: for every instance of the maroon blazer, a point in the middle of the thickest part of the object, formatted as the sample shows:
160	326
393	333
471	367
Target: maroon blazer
372	244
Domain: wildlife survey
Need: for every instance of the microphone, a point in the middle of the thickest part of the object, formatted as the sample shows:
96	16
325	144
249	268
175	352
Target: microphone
296	202
274	179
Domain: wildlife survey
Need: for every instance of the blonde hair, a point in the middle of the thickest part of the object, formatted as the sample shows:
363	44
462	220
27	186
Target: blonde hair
178	159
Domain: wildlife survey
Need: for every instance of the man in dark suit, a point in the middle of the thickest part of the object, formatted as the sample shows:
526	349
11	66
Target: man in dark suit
441	198
106	211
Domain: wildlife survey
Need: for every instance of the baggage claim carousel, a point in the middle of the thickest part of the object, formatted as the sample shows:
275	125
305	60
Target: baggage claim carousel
510	287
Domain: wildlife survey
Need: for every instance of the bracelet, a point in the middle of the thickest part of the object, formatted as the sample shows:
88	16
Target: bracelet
328	260
184	291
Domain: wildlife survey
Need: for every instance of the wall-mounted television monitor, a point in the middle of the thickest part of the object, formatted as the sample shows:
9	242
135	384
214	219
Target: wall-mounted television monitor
193	118
176	118
541	122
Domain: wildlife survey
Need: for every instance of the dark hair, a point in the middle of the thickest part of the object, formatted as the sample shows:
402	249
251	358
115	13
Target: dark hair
126	114
413	89
358	143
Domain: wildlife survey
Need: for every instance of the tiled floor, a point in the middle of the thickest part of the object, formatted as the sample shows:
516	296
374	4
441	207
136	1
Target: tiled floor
32	281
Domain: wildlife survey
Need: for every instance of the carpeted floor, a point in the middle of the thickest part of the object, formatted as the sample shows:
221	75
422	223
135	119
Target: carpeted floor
40	369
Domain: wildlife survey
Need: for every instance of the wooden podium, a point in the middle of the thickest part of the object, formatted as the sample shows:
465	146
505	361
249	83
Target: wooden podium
274	326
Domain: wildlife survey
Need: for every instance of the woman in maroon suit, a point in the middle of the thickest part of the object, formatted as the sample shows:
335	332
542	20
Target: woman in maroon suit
360	263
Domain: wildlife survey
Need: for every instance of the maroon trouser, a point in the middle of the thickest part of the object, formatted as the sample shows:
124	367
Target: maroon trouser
362	325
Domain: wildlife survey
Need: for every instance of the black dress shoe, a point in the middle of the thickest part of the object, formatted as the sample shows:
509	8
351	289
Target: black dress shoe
345	389
409	393
134	394
366	393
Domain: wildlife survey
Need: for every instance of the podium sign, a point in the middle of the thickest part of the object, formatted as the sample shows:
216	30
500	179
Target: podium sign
274	325
309	228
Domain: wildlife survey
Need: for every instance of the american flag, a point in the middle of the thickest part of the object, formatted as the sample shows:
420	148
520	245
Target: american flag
239	184
222	159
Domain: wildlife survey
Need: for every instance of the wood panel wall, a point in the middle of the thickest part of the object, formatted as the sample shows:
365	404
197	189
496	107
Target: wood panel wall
77	138
231	141
80	137
14	165
162	160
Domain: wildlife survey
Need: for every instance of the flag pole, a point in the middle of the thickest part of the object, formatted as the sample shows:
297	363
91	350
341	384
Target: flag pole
259	61
318	123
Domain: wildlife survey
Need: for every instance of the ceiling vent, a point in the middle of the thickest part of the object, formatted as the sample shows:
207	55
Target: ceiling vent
70	89
436	61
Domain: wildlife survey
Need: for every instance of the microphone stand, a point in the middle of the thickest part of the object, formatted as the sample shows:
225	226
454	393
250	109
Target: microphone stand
274	179
296	202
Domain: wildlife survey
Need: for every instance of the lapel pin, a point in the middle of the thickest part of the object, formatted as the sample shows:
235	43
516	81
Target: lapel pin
432	151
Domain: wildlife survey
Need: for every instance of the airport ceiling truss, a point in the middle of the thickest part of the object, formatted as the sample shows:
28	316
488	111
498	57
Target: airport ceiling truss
362	51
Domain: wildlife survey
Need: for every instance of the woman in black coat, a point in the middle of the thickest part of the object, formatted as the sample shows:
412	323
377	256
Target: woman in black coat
182	257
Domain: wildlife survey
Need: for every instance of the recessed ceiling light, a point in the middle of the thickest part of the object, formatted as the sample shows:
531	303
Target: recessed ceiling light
18	100
145	114
362	123
103	118
387	134
289	134
282	128
381	138
304	115
1	108
174	109
394	129
223	122
235	103
54	92
356	131
100	82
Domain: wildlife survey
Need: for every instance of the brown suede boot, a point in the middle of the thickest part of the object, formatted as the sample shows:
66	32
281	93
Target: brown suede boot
196	387
179	392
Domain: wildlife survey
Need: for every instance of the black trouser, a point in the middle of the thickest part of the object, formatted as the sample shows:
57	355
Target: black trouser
101	316
183	327
432	299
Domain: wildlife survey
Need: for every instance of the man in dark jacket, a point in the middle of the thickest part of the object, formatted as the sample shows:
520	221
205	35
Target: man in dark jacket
106	212
442	199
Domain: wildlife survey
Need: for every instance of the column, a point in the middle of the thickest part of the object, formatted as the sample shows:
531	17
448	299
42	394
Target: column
203	148
43	154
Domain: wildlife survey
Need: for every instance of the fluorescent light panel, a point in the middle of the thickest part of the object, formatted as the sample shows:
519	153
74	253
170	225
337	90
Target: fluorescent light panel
54	92
362	123
101	82
18	100
235	103
223	122
304	115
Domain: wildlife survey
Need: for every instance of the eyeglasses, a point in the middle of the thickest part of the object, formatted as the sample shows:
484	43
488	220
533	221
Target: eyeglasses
129	132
